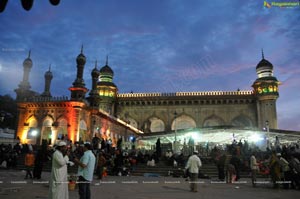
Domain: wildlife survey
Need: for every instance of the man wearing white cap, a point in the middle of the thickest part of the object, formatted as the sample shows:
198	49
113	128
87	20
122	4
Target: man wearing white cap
59	173
193	165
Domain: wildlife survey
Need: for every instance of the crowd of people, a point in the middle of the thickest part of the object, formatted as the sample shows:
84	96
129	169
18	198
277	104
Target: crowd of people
280	163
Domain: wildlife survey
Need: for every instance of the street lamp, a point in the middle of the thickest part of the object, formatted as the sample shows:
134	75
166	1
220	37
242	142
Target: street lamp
268	134
175	142
175	116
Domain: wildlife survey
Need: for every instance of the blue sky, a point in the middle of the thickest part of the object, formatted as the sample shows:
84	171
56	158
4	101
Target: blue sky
155	46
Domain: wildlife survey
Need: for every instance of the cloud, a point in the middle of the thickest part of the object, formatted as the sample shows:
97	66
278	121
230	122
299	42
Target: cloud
153	46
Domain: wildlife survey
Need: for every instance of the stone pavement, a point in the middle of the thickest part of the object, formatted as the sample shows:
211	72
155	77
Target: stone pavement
13	186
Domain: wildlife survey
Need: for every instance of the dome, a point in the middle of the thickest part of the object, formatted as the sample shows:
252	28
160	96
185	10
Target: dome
95	72
264	68
27	62
81	59
111	84
48	74
106	70
264	63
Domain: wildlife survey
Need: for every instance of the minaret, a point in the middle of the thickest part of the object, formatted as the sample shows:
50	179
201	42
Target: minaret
94	96
107	89
78	90
24	92
266	91
48	77
27	65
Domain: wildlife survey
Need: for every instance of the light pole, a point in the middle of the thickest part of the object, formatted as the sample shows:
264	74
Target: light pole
175	130
268	135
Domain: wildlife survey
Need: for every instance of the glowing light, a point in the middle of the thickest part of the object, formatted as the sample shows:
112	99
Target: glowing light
194	135
131	138
255	138
34	133
271	89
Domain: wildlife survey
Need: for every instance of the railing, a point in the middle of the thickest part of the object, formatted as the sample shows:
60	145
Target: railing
204	93
48	99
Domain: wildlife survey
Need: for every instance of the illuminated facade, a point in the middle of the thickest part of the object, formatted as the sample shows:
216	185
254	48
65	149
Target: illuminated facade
43	117
159	112
110	114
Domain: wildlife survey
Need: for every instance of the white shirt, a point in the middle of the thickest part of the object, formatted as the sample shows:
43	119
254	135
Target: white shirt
253	163
169	154
193	164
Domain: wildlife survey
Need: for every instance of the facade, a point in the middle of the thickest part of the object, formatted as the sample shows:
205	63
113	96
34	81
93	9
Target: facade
104	112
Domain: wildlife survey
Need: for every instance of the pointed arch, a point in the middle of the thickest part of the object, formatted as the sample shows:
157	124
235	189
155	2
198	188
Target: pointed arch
32	131
213	121
183	122
83	131
82	125
242	121
46	131
132	122
62	129
32	121
156	125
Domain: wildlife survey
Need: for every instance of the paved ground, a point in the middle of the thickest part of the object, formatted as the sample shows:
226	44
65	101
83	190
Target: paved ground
13	186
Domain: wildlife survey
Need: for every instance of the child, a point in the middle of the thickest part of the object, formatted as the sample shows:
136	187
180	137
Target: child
29	162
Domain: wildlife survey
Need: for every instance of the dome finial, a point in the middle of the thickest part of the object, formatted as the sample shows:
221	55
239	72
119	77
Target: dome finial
106	60
50	67
29	53
96	64
262	53
81	51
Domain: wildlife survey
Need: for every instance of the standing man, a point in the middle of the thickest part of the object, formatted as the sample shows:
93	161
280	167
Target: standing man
254	168
193	165
86	167
59	174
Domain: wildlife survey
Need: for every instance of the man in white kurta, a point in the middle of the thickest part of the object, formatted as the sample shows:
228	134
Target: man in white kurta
59	174
254	168
193	165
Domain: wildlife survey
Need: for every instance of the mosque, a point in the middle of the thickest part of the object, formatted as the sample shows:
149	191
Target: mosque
210	116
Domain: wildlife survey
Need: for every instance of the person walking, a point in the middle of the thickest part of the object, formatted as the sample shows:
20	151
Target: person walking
85	171
236	162
275	169
59	174
29	163
221	167
100	165
193	165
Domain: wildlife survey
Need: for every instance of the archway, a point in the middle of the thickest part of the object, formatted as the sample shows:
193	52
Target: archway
32	132
132	122
183	122
62	129
156	125
242	121
213	121
46	132
83	136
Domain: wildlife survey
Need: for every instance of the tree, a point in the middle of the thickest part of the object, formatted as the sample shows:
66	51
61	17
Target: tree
8	112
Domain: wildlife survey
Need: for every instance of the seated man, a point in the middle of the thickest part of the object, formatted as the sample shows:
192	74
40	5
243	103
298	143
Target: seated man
169	154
